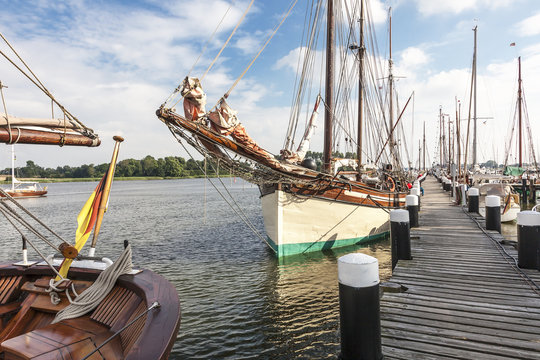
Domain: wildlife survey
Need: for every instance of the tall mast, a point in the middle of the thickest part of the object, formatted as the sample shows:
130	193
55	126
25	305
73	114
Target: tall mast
361	51
419	154
474	99
12	167
440	138
458	135
391	85
450	147
520	99
424	149
443	140
329	93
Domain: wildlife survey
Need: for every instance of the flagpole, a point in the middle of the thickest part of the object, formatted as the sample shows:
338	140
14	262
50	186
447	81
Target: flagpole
105	195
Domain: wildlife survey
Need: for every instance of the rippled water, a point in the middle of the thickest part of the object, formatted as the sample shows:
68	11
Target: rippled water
238	301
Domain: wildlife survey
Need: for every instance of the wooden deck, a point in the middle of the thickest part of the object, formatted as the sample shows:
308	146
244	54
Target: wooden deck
464	298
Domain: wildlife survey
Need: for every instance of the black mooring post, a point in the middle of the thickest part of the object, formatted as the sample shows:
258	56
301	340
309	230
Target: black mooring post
474	200
400	236
412	208
528	239
359	308
493	213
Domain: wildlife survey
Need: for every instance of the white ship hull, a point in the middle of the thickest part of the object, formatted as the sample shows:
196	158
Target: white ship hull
297	224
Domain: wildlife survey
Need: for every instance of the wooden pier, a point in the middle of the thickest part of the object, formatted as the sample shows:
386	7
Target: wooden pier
464	297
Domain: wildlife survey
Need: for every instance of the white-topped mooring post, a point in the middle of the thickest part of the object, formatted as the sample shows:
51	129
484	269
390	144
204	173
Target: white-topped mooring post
463	190
528	239
412	207
25	251
493	213
400	235
359	309
474	200
416	192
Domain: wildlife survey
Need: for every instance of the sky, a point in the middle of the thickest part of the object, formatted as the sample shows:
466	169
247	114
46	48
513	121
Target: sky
112	63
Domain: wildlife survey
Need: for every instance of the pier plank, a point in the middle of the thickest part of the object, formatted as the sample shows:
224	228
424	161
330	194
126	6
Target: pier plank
464	297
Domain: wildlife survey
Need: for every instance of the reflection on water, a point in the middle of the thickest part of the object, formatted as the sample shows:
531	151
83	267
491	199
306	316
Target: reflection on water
238	300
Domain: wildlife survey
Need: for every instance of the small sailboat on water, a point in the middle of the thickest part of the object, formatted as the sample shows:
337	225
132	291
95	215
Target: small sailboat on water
306	208
23	189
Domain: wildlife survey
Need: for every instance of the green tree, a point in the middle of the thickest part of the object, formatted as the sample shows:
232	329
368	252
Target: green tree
172	167
149	166
129	167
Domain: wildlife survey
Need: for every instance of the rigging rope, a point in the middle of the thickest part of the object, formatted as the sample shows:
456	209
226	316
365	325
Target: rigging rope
35	218
261	50
6	113
3	211
35	80
238	210
210	39
227	41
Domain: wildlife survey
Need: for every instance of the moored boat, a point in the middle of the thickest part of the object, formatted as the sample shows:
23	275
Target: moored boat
510	205
306	208
122	316
70	305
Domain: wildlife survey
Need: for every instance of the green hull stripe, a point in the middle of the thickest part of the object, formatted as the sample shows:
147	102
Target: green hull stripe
301	248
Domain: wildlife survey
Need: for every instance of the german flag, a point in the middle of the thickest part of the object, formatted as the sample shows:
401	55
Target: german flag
86	221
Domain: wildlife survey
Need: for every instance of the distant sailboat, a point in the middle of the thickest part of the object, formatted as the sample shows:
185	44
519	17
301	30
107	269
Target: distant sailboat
23	189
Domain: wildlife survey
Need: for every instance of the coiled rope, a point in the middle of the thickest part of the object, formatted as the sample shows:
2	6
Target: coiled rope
91	297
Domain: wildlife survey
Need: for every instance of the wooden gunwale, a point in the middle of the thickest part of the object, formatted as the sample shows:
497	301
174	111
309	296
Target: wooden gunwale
161	327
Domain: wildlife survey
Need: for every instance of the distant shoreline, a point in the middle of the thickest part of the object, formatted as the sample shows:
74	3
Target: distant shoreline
60	180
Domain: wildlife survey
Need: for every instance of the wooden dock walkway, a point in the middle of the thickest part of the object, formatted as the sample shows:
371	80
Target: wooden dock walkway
464	298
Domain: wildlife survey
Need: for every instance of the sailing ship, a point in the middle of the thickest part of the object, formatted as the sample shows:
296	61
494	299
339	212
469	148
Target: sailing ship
523	129
69	305
306	209
24	189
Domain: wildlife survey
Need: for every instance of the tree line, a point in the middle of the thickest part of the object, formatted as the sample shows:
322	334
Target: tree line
170	166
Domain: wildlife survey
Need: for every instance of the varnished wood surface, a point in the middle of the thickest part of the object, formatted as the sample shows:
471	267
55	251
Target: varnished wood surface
464	297
151	337
27	136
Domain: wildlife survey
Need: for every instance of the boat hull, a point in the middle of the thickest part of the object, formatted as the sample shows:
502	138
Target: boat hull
297	224
31	312
26	194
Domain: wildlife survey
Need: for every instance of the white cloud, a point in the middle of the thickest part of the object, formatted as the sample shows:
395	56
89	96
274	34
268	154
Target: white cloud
529	26
435	7
412	57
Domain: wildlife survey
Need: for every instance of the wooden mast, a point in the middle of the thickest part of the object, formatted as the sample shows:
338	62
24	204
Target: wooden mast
458	135
361	52
390	85
440	138
329	92
424	149
13	168
520	99
474	100
105	194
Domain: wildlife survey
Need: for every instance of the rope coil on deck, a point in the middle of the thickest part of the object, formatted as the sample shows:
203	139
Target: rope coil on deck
92	296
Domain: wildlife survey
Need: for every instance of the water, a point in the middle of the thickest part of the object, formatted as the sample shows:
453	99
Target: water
238	301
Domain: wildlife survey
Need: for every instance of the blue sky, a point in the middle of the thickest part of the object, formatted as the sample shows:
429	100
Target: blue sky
112	63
